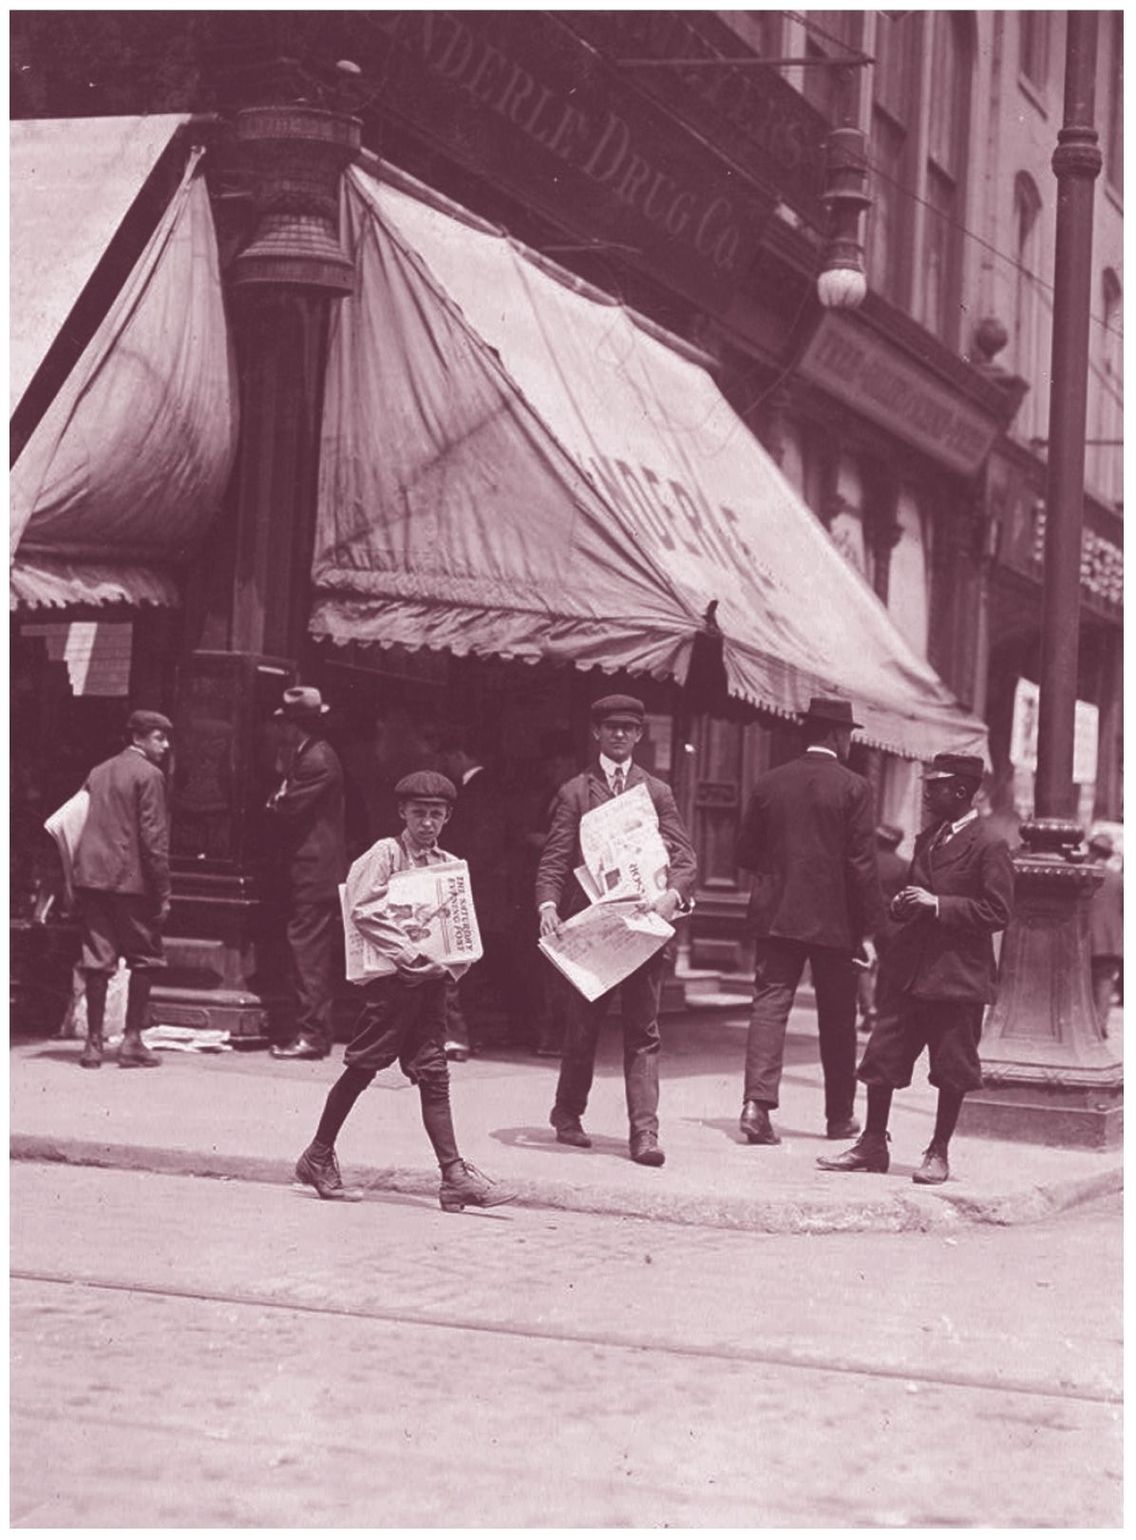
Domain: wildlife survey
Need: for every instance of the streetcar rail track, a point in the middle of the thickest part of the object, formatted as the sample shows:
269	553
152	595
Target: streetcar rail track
956	1380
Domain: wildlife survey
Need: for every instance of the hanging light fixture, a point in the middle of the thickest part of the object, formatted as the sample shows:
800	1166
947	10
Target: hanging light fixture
842	283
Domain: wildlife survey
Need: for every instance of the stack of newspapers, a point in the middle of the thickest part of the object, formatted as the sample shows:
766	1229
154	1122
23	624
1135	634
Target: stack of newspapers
624	871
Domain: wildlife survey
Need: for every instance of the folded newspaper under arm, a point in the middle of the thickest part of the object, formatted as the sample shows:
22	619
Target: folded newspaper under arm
597	948
66	827
431	910
624	854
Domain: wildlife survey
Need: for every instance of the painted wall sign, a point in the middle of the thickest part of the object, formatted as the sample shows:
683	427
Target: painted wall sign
853	364
519	98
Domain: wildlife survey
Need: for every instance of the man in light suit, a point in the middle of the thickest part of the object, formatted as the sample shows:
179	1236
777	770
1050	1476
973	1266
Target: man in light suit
808	836
308	811
939	971
617	726
122	883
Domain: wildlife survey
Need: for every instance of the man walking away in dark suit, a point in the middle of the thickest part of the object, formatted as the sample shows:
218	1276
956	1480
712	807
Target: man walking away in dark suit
122	883
307	808
808	836
940	970
617	725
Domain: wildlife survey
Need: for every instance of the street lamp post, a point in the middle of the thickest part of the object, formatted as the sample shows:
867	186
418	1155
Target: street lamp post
1051	1074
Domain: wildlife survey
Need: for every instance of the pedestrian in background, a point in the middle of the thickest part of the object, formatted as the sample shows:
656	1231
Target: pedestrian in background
1106	928
307	809
893	869
404	1009
617	726
122	883
808	836
940	969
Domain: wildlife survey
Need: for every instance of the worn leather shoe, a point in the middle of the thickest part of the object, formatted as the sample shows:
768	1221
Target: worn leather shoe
869	1153
646	1150
92	1055
843	1128
299	1048
464	1186
569	1130
321	1171
133	1054
934	1168
754	1123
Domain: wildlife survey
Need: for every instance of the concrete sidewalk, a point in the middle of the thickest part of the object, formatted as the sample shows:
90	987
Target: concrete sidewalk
243	1115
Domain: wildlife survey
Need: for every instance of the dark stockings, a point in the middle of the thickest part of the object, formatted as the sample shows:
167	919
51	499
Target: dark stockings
879	1109
436	1116
950	1105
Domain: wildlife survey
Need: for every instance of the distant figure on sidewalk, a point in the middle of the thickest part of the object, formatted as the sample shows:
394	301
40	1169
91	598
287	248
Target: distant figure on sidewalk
404	1010
808	837
617	726
307	808
122	883
1106	928
940	970
893	869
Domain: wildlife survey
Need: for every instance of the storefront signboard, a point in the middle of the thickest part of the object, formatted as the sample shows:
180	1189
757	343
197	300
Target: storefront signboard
1023	734
518	98
850	362
1017	503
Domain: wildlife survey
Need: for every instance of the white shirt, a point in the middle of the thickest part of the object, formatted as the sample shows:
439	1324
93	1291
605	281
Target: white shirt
818	748
610	766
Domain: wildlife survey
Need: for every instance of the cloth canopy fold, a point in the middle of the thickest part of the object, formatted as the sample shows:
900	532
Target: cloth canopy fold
512	464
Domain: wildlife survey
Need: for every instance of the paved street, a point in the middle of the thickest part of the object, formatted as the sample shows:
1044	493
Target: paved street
194	1353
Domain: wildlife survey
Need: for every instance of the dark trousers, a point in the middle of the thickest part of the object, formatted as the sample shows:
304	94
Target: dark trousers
314	930
639	1001
779	964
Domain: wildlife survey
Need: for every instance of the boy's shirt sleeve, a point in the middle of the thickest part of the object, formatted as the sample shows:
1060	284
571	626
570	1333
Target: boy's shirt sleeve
367	885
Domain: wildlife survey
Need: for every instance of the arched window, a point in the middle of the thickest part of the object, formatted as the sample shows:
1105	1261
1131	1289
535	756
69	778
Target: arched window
1028	340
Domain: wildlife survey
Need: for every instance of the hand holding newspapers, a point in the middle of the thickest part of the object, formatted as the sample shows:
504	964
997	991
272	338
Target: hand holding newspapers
429	909
624	872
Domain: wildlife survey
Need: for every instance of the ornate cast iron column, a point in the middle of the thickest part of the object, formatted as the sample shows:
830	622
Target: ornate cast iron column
1051	1075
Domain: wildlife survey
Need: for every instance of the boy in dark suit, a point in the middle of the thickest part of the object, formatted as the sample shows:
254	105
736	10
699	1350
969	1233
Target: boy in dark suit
940	969
122	883
808	836
617	726
308	811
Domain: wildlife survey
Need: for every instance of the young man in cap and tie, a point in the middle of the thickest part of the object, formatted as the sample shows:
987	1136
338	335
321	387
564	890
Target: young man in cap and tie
940	969
307	809
617	726
808	836
122	883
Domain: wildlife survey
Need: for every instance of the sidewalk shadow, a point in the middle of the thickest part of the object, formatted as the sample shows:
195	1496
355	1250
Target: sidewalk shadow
544	1139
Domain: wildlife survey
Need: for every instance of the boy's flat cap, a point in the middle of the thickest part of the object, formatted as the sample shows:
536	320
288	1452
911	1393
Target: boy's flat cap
618	706
427	784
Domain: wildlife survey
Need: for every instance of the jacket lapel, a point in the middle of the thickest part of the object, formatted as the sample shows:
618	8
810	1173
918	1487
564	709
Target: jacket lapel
955	848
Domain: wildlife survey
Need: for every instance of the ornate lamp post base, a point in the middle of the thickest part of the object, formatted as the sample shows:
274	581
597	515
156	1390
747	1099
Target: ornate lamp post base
1052	1077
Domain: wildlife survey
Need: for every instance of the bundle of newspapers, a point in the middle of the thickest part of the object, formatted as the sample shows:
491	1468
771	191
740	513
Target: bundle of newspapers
428	907
624	871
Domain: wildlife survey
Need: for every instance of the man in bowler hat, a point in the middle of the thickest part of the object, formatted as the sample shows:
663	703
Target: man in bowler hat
808	836
617	726
122	883
307	809
940	971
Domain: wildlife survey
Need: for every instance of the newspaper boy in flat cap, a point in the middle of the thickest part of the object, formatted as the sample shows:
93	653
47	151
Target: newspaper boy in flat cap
940	968
404	1009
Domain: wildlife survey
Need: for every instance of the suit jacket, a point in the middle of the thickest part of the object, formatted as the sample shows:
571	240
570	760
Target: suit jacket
480	831
125	843
308	811
809	837
555	879
1106	920
951	957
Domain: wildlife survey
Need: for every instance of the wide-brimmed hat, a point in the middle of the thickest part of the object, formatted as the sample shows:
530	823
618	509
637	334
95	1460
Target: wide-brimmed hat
428	785
301	700
944	766
618	706
831	710
148	722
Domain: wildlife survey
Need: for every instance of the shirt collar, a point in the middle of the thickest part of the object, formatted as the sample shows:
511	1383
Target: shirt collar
964	820
415	856
609	767
816	748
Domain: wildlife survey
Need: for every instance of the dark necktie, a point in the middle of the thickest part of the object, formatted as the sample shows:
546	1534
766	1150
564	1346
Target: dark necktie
943	835
617	780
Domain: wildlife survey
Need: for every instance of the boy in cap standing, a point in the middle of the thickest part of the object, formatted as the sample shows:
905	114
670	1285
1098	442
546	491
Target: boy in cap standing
404	1010
617	726
122	883
308	810
940	968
